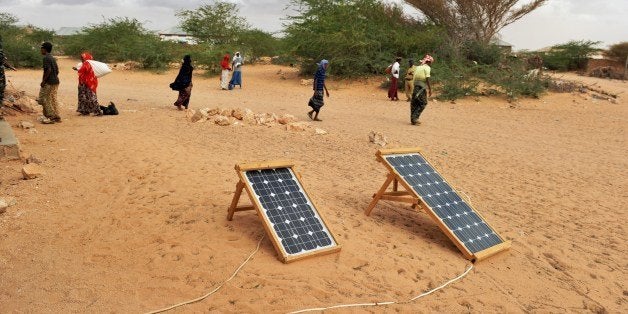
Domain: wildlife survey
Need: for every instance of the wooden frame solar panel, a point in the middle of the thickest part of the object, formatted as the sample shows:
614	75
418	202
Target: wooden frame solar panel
318	234
497	243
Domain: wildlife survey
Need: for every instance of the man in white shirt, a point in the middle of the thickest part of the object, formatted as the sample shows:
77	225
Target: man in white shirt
394	78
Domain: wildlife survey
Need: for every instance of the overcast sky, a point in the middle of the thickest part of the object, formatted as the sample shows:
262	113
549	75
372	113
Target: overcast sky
556	22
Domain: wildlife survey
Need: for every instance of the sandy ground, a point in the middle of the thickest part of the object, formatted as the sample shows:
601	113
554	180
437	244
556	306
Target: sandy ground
131	214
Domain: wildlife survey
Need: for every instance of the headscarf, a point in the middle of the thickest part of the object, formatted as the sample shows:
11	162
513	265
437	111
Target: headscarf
86	73
184	78
225	62
426	59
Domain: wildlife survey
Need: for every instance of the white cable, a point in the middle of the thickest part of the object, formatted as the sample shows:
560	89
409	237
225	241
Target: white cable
387	303
217	288
443	285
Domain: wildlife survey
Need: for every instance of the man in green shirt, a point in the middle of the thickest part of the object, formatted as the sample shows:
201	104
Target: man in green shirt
422	89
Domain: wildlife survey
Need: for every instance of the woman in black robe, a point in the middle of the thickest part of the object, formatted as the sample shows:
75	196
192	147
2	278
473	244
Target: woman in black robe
183	83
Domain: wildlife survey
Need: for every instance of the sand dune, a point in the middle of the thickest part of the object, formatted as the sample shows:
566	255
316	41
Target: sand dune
131	214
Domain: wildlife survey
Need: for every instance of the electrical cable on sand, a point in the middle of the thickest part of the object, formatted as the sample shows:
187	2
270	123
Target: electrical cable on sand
217	288
389	302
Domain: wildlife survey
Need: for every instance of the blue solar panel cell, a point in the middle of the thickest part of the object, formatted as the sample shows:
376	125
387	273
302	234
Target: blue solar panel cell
292	216
469	227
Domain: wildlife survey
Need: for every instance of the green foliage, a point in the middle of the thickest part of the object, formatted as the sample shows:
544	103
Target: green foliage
217	23
570	56
358	37
618	51
457	79
256	43
120	39
482	53
22	44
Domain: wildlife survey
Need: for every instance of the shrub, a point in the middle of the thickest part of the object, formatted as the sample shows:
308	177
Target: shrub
358	37
618	51
569	56
22	44
121	39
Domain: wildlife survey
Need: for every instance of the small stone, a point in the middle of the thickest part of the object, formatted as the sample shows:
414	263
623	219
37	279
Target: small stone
238	113
198	116
3	205
214	111
26	125
32	171
320	131
222	120
286	118
378	138
226	112
32	131
297	126
32	159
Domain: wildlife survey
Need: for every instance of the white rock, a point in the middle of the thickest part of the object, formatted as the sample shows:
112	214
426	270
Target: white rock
26	125
378	138
198	116
320	131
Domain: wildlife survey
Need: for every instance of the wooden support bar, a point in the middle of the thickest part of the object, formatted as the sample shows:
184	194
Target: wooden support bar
402	199
244	208
395	185
379	194
264	165
234	201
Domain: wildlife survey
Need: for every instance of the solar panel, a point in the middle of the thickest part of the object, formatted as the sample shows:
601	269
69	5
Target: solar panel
291	218
461	221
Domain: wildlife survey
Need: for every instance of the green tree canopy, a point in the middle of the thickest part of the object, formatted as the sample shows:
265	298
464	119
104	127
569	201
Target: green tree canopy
357	36
216	23
120	39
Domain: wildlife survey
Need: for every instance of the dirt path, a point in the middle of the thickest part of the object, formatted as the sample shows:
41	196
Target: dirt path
130	216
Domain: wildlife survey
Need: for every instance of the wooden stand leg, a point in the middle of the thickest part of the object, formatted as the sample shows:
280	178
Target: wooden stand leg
236	198
379	194
395	185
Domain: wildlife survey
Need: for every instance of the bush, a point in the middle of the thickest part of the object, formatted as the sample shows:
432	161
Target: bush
22	44
570	56
618	51
118	40
358	37
482	53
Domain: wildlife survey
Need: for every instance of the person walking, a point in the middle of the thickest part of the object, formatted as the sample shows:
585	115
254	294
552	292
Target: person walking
317	100
236	65
49	85
394	78
422	89
3	80
409	80
183	83
87	86
226	68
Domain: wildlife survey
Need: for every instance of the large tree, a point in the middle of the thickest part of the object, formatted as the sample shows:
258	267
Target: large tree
215	23
476	20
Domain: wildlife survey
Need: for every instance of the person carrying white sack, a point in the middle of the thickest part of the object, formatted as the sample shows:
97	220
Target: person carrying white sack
87	85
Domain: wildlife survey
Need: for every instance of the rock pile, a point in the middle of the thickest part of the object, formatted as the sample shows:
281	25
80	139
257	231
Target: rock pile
18	101
246	117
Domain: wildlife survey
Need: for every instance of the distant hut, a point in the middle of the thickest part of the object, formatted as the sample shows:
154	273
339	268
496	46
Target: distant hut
178	35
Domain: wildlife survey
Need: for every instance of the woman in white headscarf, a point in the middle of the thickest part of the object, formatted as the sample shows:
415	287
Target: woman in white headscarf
236	65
